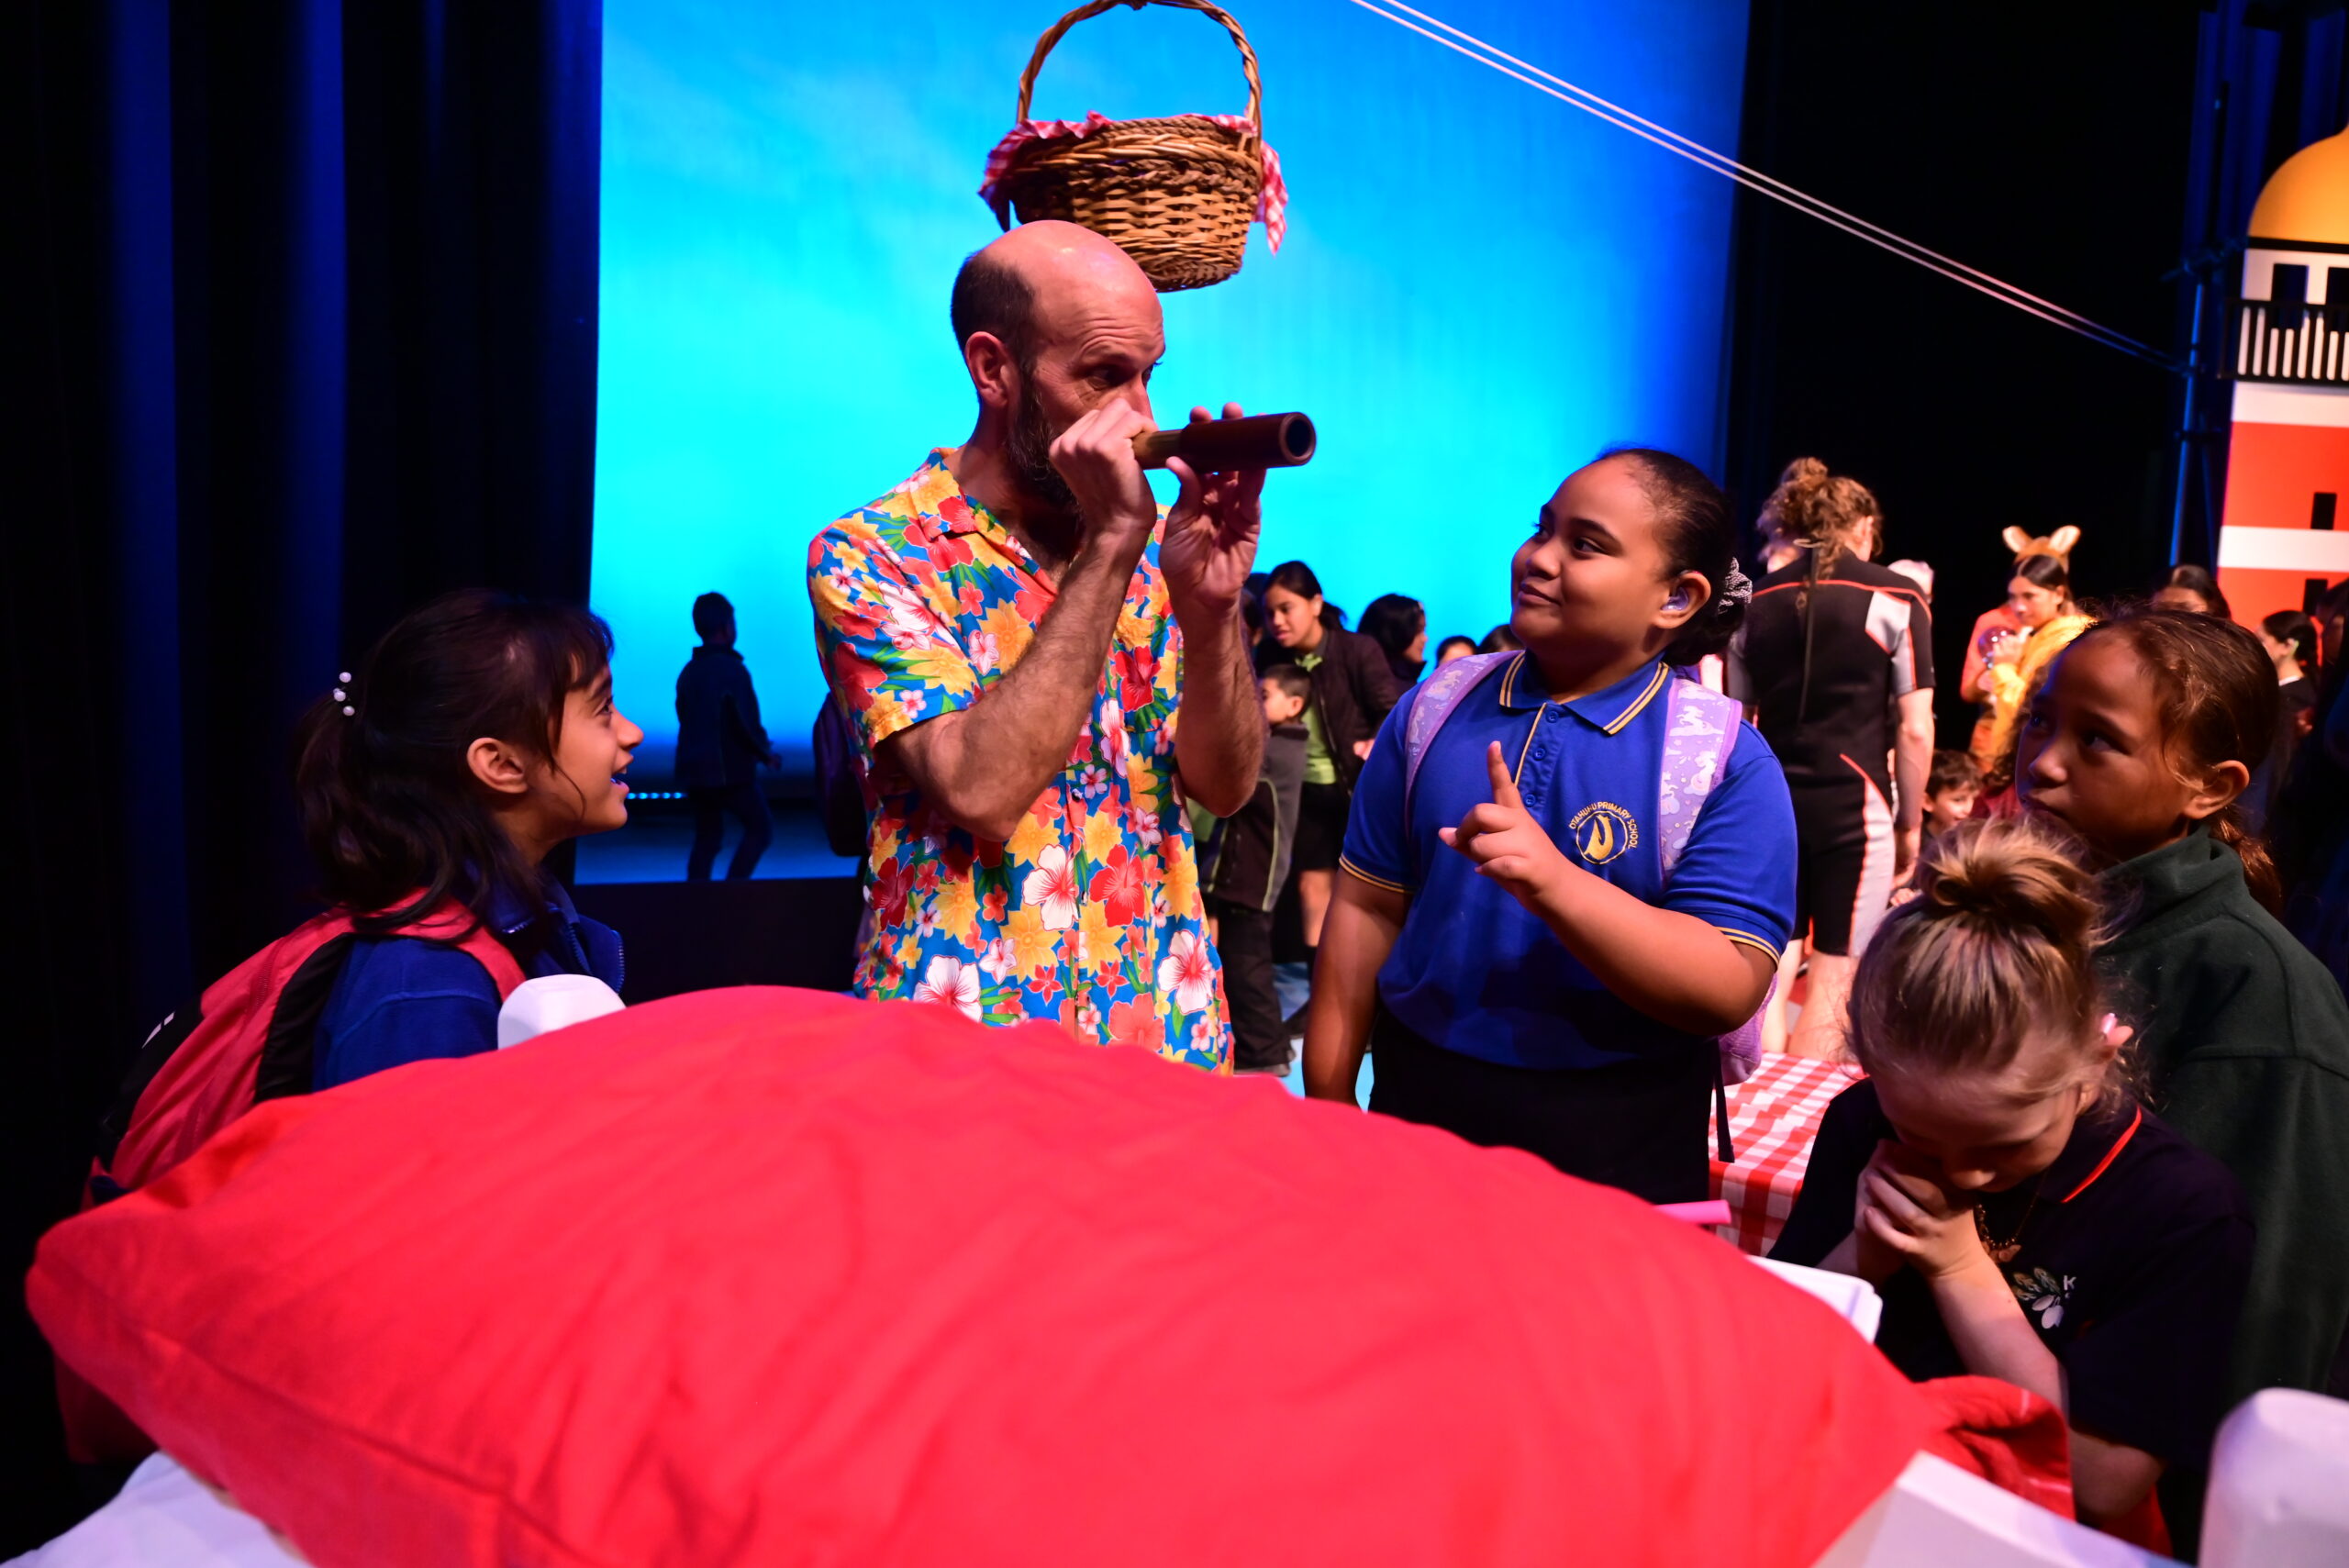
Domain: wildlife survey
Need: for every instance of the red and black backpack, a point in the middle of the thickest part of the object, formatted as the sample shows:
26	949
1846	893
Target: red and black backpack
248	1038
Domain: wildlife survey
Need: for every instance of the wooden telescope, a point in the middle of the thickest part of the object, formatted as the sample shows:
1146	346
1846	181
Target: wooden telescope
1219	446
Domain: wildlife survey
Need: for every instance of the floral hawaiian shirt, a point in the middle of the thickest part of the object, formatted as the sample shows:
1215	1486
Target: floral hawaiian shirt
1090	913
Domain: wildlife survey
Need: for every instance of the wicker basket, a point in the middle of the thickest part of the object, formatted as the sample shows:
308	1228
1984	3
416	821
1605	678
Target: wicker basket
1176	193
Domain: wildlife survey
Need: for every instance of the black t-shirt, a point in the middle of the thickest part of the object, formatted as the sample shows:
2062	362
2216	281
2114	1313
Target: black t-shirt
2133	1267
1871	641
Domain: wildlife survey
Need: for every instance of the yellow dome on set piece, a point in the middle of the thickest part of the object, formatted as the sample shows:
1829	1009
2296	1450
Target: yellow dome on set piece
2307	198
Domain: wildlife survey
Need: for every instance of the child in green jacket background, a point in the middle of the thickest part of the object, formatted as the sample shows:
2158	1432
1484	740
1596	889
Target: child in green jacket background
2141	739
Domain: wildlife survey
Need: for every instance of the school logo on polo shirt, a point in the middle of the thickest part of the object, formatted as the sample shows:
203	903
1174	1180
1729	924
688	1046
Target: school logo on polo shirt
1602	830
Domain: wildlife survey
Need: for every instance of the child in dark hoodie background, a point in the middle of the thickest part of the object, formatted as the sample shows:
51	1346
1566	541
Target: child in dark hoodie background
1244	861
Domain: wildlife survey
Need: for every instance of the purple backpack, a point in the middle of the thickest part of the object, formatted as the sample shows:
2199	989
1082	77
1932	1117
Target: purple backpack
1700	726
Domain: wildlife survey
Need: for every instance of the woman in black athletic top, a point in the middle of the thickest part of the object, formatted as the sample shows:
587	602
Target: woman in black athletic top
1833	647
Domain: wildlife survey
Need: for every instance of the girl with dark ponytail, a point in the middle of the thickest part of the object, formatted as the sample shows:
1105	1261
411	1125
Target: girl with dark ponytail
434	779
474	739
2142	739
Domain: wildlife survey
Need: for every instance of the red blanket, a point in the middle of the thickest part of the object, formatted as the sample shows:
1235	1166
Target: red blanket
769	1276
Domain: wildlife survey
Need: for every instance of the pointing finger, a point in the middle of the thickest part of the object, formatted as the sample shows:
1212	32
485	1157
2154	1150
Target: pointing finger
1504	787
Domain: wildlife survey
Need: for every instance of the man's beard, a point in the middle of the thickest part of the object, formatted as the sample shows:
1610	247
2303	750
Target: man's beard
1031	451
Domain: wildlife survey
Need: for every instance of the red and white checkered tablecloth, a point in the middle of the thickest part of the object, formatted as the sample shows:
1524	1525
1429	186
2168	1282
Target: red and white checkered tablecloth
1773	1116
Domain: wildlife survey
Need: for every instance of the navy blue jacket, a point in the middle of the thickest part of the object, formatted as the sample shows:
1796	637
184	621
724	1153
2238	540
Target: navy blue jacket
402	1000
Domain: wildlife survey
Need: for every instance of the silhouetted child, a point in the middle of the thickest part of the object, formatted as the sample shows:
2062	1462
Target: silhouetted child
1244	868
720	744
1951	785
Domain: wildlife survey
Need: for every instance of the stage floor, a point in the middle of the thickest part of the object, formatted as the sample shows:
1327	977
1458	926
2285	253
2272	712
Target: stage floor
659	836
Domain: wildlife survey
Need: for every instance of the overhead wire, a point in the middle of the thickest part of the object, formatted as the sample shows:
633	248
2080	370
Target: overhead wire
1496	59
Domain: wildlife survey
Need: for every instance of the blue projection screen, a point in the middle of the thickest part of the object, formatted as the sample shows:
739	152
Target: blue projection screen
1480	286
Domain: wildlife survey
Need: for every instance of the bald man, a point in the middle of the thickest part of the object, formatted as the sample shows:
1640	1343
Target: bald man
1042	665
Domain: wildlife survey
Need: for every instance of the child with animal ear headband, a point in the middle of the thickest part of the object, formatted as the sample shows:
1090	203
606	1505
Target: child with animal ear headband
2039	590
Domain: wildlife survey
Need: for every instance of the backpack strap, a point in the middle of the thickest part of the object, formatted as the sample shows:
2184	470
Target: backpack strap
288	1062
289	1050
1701	729
443	925
1439	697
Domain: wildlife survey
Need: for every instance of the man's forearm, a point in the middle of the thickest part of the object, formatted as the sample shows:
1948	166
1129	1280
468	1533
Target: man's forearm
1220	735
985	766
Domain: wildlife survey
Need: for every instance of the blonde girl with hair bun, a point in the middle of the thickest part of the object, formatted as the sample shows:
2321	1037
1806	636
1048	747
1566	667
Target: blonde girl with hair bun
1997	1179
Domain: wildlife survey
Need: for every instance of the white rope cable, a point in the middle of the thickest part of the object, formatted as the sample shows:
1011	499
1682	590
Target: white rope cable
1671	141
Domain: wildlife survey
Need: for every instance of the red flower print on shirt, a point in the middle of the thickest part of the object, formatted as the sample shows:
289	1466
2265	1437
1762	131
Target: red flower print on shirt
945	552
892	886
1137	677
1119	887
1136	1023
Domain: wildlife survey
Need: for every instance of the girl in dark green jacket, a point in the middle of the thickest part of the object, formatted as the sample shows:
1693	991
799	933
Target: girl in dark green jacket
2141	739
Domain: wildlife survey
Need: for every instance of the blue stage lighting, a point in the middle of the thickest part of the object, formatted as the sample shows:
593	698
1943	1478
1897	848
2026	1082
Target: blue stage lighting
1480	287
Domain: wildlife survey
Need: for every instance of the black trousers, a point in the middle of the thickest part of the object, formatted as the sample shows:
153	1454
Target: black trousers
711	805
1244	940
1639	1126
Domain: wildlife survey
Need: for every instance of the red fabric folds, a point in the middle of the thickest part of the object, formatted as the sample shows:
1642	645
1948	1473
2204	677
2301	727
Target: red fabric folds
2014	1438
2006	1435
766	1276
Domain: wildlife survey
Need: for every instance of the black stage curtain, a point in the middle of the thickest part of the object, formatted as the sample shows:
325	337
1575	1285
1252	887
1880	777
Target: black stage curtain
2090	153
2046	145
302	332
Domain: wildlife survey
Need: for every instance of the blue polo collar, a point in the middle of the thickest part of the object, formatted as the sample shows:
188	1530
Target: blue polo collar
1608	711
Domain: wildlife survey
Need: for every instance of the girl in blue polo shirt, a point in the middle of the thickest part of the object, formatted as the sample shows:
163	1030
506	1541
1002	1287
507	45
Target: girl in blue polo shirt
1568	870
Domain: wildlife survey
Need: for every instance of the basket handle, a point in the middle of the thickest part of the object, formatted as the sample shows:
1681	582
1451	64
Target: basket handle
1095	7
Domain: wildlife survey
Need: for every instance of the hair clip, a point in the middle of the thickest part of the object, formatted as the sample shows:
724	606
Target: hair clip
1737	589
341	694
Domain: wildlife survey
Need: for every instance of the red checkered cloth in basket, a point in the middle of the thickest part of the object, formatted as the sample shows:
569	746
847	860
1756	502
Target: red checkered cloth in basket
1773	1116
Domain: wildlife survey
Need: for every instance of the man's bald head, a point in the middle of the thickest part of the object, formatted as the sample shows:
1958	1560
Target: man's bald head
1054	321
1018	287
